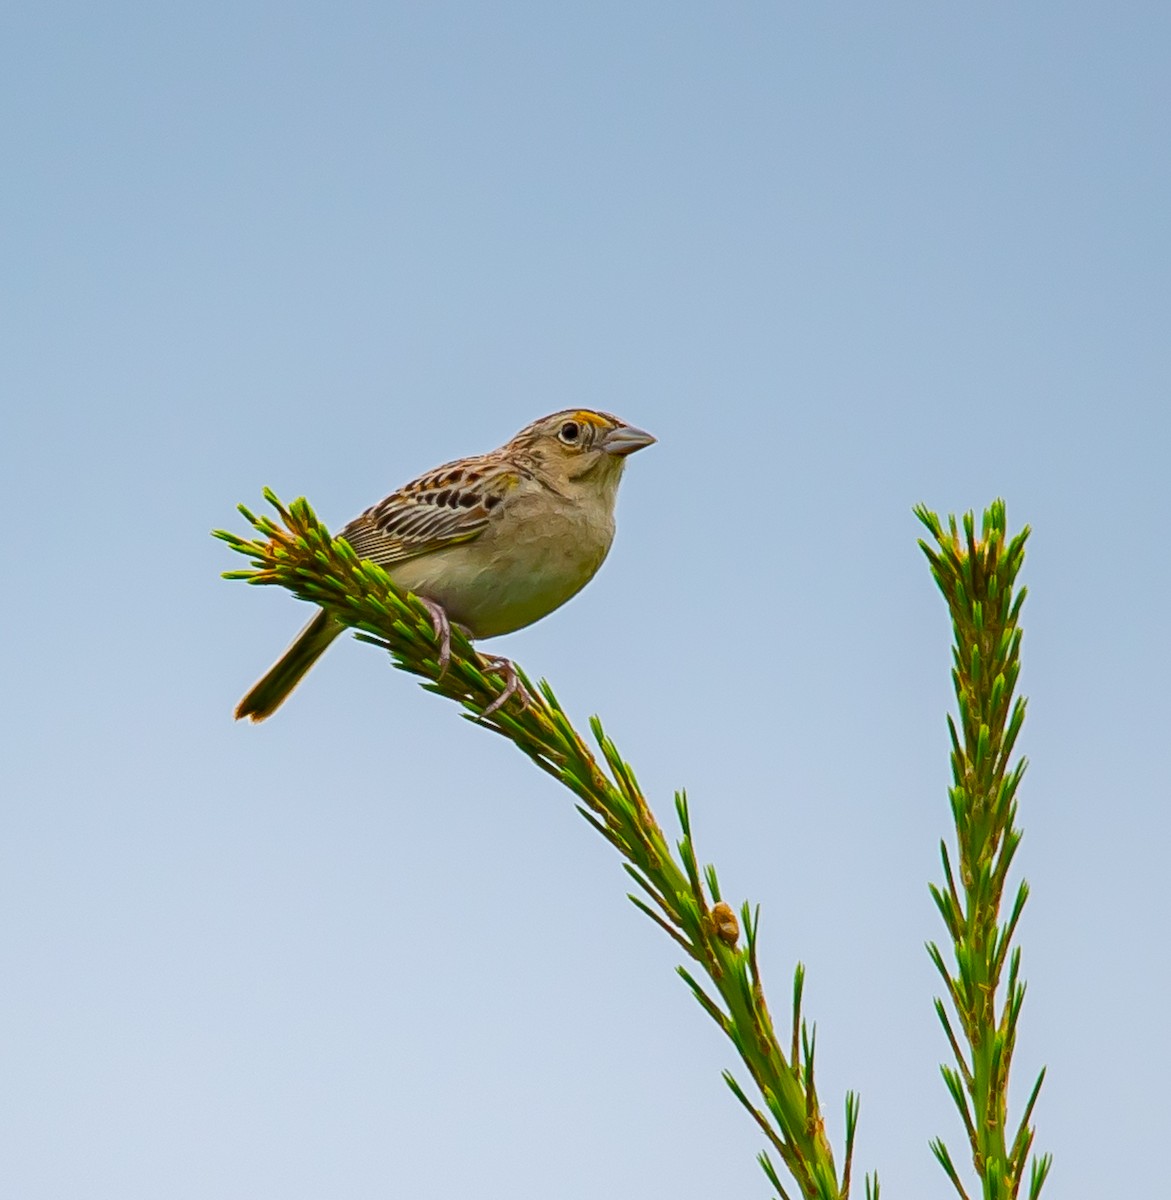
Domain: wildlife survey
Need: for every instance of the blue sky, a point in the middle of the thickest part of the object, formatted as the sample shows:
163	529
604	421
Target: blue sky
839	261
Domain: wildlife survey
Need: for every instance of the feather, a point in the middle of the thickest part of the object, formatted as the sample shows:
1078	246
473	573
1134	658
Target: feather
446	507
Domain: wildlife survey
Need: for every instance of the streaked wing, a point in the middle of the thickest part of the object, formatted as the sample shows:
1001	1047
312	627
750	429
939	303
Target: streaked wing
445	507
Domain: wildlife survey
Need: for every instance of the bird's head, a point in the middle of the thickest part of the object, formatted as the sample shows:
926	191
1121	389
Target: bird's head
579	445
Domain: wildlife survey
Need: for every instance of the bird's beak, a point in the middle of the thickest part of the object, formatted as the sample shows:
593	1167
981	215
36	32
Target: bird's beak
626	440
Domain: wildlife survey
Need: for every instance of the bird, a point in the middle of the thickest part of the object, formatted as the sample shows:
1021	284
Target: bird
490	543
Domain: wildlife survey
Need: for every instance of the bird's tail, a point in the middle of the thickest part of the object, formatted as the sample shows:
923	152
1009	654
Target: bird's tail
308	646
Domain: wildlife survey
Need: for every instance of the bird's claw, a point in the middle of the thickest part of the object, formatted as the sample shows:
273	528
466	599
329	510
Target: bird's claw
493	663
442	627
512	684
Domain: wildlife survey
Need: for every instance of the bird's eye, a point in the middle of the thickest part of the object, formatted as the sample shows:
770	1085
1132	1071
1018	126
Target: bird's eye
570	432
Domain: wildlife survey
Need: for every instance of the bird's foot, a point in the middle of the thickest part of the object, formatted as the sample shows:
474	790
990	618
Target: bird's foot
512	684
442	627
493	663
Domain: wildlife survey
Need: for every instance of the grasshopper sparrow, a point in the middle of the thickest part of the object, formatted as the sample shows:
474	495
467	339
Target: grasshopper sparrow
491	543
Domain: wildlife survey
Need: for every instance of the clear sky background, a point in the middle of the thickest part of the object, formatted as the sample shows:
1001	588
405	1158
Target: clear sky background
840	259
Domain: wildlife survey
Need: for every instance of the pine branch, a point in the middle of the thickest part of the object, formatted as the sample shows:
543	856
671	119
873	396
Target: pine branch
299	554
977	576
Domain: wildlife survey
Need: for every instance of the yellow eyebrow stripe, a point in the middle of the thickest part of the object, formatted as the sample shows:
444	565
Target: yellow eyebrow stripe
585	417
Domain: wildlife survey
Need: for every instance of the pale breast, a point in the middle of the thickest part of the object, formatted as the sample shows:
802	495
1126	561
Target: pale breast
539	553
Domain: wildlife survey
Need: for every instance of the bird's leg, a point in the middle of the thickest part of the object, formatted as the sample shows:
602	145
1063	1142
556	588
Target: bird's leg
441	624
512	684
442	627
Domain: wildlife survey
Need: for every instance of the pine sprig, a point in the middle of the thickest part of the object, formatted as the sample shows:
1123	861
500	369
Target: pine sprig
977	576
684	900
